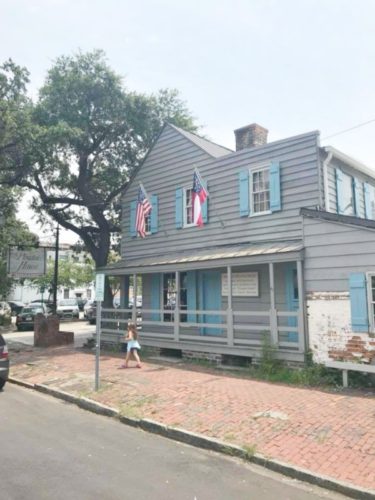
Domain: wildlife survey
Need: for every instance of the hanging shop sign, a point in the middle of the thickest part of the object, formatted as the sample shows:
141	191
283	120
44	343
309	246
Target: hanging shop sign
26	263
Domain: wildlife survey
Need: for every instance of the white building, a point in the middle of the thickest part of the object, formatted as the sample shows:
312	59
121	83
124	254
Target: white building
25	291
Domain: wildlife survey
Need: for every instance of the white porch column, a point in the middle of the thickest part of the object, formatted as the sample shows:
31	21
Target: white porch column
230	334
273	313
134	310
301	308
177	309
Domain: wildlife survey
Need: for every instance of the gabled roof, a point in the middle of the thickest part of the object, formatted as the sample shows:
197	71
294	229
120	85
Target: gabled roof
209	147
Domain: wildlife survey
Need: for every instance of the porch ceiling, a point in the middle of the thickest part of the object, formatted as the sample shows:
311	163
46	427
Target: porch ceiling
245	254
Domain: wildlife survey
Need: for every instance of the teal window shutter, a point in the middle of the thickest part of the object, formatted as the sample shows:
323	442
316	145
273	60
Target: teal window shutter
179	207
133	210
275	196
368	207
358	302
154	214
244	193
155	296
357	197
191	283
205	205
339	192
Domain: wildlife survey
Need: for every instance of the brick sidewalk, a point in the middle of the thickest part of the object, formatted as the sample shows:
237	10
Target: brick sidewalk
328	433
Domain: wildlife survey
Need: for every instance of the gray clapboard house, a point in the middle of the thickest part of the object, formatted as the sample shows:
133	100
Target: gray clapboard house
287	250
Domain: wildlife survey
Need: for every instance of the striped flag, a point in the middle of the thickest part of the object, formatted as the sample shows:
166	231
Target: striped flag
199	196
143	209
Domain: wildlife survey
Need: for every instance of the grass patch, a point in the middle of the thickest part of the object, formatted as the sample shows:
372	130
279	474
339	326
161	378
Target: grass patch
311	374
134	408
250	450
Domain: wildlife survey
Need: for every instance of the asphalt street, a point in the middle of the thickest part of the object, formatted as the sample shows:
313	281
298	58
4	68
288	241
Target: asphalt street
53	450
82	331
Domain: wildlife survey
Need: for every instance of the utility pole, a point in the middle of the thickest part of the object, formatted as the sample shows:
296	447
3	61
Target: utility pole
56	270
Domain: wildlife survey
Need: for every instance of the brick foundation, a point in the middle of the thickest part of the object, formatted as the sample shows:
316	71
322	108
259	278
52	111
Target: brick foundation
196	355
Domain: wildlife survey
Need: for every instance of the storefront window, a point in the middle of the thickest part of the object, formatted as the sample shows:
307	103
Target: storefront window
170	293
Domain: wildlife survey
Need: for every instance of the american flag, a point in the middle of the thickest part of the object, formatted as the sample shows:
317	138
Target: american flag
143	209
199	196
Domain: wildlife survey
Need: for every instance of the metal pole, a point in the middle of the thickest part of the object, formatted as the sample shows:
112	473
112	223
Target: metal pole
56	270
97	354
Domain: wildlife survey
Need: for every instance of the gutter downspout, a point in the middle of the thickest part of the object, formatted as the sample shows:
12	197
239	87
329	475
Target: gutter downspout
325	179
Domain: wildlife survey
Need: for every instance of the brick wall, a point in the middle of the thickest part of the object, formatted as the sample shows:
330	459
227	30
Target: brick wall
330	332
208	356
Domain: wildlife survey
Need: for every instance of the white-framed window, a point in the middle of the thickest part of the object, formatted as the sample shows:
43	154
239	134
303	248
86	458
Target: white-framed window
188	207
148	224
371	299
260	191
347	195
371	202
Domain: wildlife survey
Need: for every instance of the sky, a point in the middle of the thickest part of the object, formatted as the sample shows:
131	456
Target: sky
290	65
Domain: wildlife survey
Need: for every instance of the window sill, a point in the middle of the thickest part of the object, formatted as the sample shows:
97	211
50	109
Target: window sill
260	213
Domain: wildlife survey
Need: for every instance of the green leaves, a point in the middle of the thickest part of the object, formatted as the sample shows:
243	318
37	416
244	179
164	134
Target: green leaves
71	274
76	147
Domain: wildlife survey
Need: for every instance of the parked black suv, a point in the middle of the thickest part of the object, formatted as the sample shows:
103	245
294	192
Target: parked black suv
4	362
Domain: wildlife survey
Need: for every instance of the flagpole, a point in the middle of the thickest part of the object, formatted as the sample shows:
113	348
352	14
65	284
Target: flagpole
143	189
200	179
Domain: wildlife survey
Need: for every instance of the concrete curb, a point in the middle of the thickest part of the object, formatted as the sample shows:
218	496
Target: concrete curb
204	442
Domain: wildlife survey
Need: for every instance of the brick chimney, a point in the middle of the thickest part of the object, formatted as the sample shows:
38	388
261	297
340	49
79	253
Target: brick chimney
250	136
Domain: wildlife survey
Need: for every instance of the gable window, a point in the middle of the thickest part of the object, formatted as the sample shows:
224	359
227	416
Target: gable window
259	191
148	224
188	207
345	193
151	220
369	191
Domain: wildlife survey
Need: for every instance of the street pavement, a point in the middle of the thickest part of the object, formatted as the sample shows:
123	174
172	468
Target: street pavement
330	433
82	331
51	450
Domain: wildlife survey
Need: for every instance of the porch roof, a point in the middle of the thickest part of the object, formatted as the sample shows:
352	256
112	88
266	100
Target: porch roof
218	256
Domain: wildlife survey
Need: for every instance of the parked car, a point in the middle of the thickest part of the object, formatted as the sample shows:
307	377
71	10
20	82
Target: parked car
25	319
86	307
67	308
16	307
47	303
5	313
4	362
91	313
138	302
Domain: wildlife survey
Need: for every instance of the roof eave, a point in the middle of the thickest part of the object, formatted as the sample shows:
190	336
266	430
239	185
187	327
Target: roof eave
339	155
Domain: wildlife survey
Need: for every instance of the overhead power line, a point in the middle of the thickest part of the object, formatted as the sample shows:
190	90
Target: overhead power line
348	129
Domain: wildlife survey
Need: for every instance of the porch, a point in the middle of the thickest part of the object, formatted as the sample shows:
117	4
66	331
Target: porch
198	304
